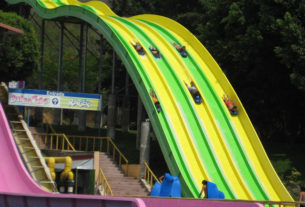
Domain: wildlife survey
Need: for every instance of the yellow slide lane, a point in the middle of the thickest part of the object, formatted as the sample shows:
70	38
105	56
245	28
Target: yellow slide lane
222	154
165	95
99	7
49	4
247	137
245	131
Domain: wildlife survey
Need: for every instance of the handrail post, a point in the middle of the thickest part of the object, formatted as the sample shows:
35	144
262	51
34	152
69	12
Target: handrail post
149	176
102	180
57	142
51	143
63	143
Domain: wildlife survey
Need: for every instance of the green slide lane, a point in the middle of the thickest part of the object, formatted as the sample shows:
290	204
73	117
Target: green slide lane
174	149
219	111
184	100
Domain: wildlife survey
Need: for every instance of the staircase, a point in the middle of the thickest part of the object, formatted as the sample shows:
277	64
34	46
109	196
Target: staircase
120	184
26	144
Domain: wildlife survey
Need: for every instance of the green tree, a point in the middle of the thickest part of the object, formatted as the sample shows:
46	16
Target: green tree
292	50
19	55
259	45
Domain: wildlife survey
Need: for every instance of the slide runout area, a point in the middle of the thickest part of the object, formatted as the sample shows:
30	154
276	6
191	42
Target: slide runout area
208	125
246	134
231	139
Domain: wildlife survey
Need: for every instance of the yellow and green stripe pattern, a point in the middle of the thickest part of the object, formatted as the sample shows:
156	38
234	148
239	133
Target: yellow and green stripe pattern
198	141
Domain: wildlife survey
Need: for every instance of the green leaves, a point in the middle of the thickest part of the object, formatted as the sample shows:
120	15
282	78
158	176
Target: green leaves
291	51
260	44
19	55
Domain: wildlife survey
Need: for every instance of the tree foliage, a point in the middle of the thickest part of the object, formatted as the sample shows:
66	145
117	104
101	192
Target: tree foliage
292	50
259	45
19	55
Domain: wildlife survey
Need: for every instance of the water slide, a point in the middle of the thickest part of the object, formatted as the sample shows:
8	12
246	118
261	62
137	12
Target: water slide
198	141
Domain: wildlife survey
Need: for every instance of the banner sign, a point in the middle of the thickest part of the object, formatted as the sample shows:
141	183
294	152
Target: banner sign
55	99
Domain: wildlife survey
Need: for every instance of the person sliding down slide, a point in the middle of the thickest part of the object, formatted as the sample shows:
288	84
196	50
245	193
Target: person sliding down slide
210	191
194	92
155	100
155	52
180	49
230	105
138	48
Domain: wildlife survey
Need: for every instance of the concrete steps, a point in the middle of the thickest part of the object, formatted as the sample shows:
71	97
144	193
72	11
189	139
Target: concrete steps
120	184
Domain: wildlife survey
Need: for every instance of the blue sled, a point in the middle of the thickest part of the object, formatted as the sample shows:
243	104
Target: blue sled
170	187
213	192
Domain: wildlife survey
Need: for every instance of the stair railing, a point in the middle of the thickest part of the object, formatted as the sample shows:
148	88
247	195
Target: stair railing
115	150
69	145
83	143
92	143
149	175
54	142
102	184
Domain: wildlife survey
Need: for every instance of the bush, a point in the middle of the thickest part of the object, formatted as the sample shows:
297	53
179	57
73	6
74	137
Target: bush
19	55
